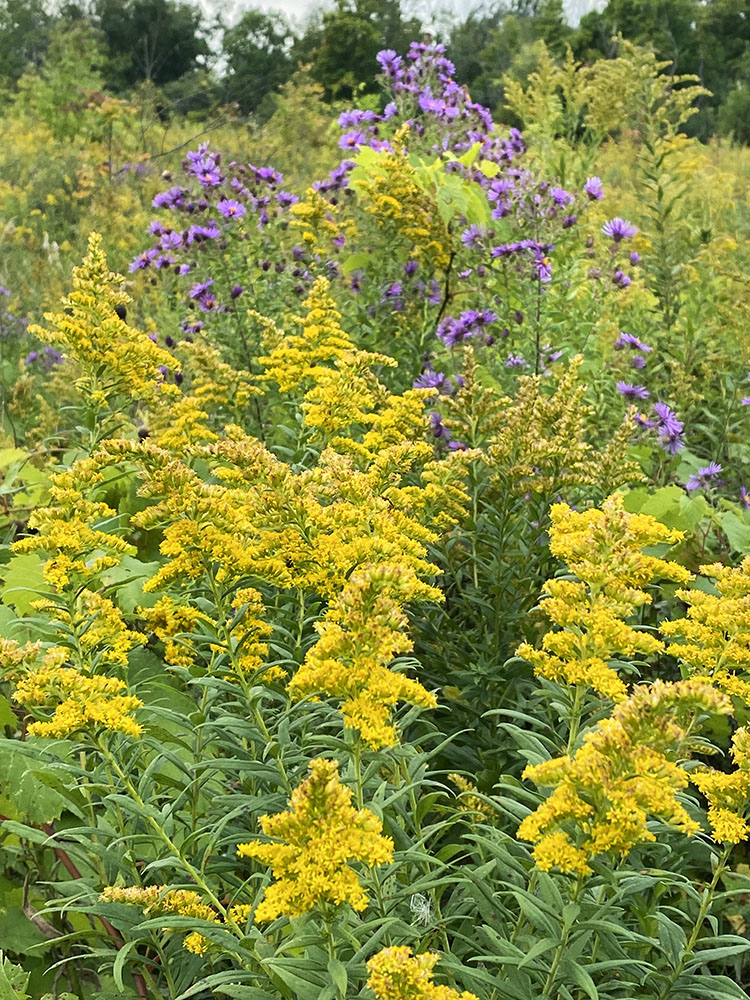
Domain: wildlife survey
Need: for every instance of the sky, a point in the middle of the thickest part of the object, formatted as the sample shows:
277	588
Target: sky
430	11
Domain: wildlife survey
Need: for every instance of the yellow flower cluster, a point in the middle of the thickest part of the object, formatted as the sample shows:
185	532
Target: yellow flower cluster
396	974
315	219
604	549
156	900
66	531
626	771
359	635
80	702
714	639
406	213
115	359
248	632
168	619
728	795
296	360
541	441
320	835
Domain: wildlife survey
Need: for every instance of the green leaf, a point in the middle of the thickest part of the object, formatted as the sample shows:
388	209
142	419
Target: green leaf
13	981
24	793
337	972
23	582
737	532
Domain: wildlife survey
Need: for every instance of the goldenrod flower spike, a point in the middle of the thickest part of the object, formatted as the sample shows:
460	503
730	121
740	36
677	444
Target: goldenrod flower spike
319	836
396	974
604	549
713	640
626	771
362	631
114	358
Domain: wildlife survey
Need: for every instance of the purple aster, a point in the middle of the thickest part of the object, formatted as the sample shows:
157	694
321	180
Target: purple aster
632	392
593	188
236	292
231	209
638	361
560	196
429	379
436	425
619	229
352	140
143	259
635	257
410	268
628	340
201	289
515	361
620	279
473	235
704	477
744	497
669	428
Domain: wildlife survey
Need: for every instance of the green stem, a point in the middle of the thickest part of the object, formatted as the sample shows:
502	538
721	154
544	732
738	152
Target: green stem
705	907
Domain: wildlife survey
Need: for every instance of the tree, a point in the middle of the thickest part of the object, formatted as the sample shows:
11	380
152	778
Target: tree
341	45
258	57
23	36
156	40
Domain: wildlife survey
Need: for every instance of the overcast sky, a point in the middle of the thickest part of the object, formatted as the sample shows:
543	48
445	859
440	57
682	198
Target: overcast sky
430	11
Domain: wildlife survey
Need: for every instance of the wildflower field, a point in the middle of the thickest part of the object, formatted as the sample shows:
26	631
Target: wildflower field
375	615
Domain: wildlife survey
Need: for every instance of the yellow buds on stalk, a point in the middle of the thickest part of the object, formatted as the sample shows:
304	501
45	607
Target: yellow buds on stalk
626	771
80	703
319	836
396	974
359	636
604	549
714	639
114	359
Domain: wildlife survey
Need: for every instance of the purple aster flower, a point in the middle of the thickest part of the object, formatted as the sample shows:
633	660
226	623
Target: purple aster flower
560	196
236	292
620	279
200	290
619	229
231	209
635	257
4	290
569	221
593	188
143	259
472	236
352	140
429	379
632	392
704	477
638	361
515	361
744	497
669	428
628	340
410	268
436	425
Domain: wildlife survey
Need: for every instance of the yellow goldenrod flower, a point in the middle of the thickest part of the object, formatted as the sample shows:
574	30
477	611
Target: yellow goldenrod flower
714	638
319	836
626	771
604	549
396	974
156	900
118	364
80	703
360	634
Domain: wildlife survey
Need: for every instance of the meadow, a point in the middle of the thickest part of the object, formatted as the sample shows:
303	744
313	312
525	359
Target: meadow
375	615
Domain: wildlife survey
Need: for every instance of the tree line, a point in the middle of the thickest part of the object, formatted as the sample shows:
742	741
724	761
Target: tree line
200	61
